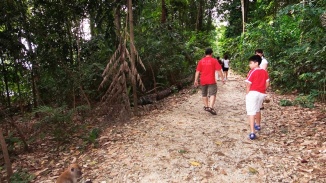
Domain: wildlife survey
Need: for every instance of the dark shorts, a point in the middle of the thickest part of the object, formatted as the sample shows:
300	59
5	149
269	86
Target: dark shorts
225	69
208	90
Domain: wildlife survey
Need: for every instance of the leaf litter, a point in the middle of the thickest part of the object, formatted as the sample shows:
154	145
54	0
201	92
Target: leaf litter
176	141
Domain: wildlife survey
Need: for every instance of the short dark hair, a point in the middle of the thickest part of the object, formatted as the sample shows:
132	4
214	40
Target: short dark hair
255	58
259	51
208	51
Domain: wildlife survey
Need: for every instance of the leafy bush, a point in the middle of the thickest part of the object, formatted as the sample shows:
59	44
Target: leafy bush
293	41
306	101
58	122
21	176
93	135
285	102
11	141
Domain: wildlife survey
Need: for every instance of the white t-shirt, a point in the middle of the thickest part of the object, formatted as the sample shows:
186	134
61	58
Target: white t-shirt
263	61
226	63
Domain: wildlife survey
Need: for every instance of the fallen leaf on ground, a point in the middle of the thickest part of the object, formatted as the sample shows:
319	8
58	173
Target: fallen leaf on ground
194	163
252	170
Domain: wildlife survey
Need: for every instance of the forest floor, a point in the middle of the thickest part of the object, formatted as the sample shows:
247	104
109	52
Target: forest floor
180	142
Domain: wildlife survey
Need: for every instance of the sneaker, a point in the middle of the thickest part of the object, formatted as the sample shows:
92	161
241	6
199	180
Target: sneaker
257	127
252	136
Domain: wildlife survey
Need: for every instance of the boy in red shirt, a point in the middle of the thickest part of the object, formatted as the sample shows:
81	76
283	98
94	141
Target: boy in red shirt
207	67
257	82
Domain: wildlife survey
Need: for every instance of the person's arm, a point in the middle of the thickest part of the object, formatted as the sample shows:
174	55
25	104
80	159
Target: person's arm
196	78
267	84
248	87
220	74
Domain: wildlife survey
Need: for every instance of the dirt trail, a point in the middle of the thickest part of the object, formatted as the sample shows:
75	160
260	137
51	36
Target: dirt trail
185	144
179	142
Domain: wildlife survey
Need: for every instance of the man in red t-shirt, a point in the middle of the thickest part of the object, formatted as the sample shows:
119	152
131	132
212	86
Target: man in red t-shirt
206	68
257	82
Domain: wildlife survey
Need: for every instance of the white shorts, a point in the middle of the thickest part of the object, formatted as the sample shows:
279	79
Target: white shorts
254	101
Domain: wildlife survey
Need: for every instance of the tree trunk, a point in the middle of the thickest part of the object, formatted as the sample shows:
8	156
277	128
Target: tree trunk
243	15
6	81
35	66
133	53
244	10
5	155
20	133
164	12
246	7
117	22
199	22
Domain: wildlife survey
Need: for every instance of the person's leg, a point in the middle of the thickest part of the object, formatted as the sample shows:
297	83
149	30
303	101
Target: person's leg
260	101
212	90
204	90
251	119
251	108
212	101
257	118
225	74
205	101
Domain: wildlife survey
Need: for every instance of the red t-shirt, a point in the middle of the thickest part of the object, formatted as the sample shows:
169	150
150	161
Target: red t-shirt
207	67
257	78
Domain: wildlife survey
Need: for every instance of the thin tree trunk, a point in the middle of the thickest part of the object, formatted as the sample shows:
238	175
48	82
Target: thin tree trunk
34	73
4	71
164	12
5	155
133	53
199	22
246	8
20	133
243	15
117	21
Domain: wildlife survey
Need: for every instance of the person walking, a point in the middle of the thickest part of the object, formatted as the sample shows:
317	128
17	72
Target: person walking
206	69
263	65
221	63
226	63
256	84
264	62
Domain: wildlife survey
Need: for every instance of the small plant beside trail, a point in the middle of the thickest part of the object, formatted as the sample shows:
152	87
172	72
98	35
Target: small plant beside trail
306	101
60	124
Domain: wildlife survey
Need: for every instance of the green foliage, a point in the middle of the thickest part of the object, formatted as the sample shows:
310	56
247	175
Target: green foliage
184	49
293	40
306	101
95	53
83	111
11	141
92	136
58	122
285	102
21	176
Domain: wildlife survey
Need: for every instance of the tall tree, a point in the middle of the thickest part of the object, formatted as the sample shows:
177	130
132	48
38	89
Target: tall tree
132	56
121	68
164	13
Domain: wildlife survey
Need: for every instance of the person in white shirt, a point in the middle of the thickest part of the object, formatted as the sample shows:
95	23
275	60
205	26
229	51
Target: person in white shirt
264	62
226	65
262	65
